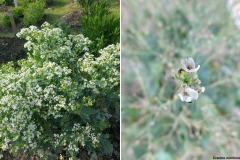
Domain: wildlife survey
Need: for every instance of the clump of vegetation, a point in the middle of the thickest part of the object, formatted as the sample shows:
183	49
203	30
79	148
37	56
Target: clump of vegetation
102	27
33	13
57	101
17	15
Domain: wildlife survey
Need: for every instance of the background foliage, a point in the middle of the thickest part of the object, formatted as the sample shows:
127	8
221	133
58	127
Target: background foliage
156	36
17	15
6	2
100	25
33	13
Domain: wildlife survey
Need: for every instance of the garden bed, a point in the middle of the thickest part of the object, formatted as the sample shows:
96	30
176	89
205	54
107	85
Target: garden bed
11	49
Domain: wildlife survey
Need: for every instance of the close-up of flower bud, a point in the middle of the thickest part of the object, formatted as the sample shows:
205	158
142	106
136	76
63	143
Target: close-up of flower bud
182	74
197	81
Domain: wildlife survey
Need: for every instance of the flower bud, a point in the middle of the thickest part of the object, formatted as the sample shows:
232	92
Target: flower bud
195	76
184	85
182	74
200	89
197	81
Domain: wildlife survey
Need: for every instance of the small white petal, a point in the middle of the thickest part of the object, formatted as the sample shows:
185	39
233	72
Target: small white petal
184	67
189	62
184	98
196	68
180	95
192	93
187	99
203	89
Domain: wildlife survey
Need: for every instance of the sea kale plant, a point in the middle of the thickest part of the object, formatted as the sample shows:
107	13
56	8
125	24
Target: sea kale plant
57	100
187	74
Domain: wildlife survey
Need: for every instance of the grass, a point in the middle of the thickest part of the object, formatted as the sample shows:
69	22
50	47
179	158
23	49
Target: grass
2	14
60	8
115	9
8	34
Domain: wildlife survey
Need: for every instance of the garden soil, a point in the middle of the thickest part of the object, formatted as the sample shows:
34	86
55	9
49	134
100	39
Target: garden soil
11	49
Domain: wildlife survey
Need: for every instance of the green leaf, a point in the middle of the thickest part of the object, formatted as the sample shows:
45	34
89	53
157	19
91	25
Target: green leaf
116	105
16	137
163	155
88	111
93	156
140	150
106	147
51	157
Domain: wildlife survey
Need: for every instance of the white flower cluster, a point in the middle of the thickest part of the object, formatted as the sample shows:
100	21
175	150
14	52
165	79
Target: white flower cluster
188	76
52	84
103	70
52	43
80	135
84	134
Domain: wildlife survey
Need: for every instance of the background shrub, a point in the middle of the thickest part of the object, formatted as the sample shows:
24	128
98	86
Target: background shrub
33	14
17	15
102	27
6	2
6	21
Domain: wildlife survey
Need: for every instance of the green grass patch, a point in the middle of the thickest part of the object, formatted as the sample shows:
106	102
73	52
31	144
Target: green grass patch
8	34
115	8
59	8
116	11
2	14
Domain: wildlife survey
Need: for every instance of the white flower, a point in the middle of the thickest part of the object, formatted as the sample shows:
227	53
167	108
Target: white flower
188	95
189	65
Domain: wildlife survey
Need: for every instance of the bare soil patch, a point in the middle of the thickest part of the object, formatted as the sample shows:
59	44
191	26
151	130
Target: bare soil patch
3	8
11	49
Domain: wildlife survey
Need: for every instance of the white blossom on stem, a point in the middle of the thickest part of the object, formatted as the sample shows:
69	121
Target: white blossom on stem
188	95
189	65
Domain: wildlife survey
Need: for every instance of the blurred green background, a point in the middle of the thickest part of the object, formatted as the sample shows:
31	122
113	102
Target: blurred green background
155	36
